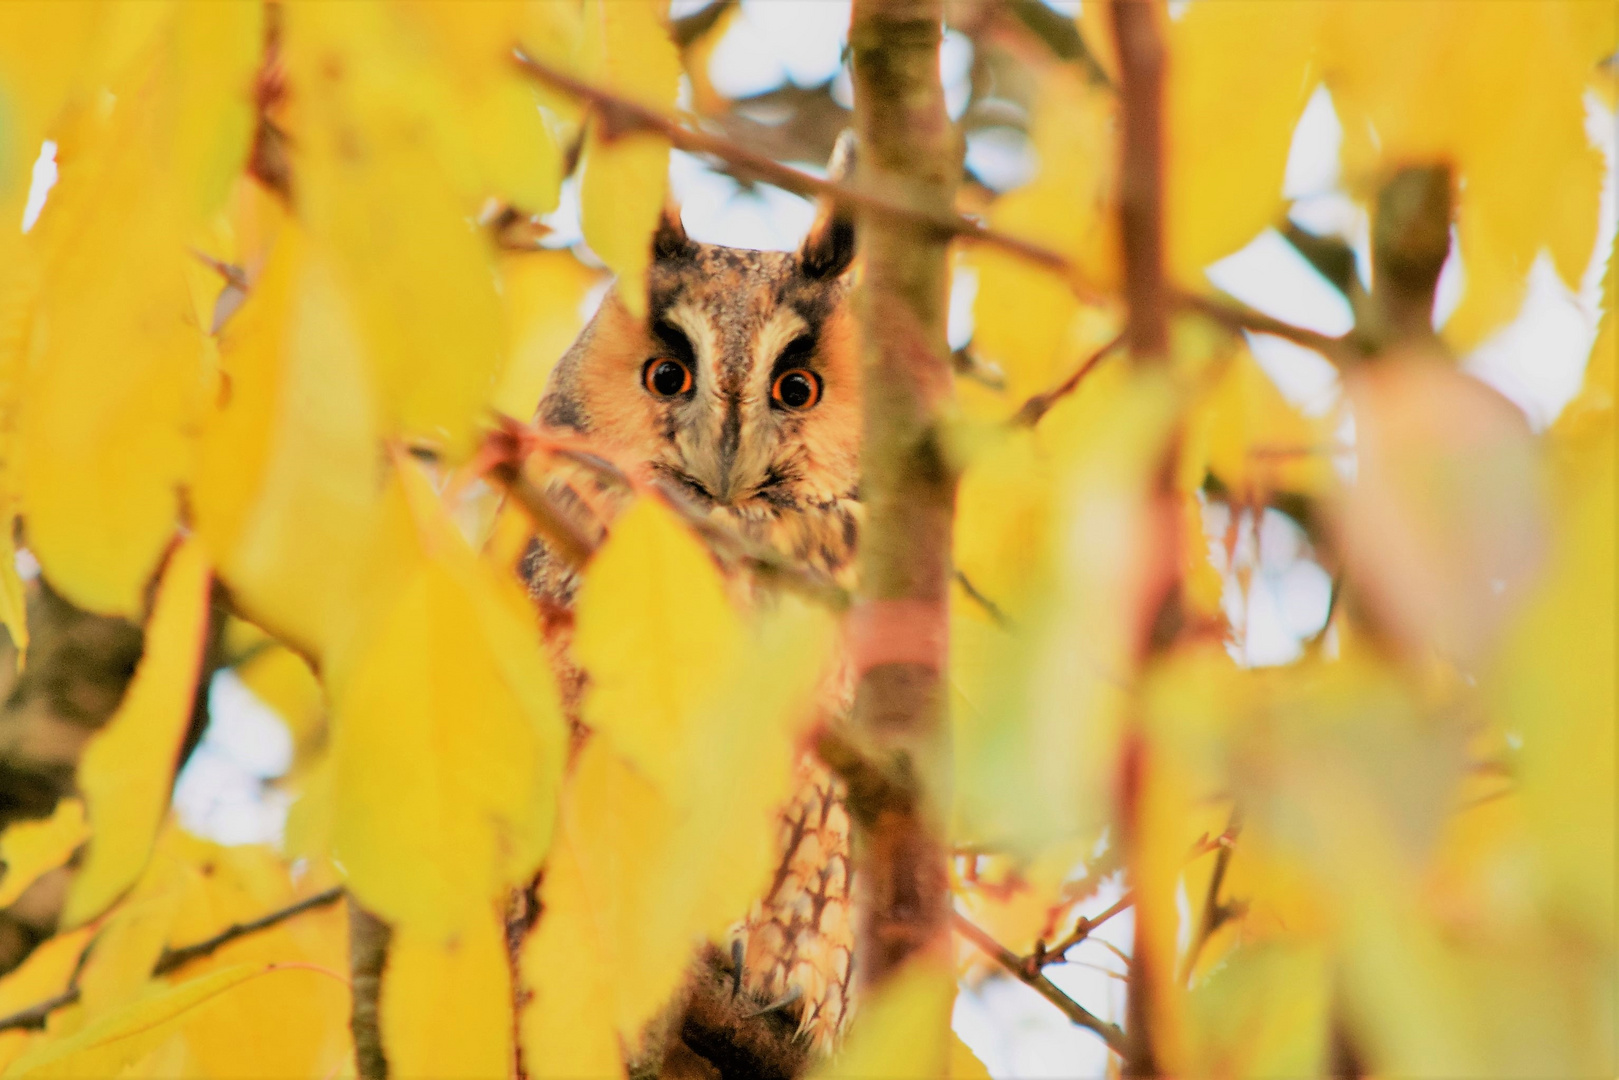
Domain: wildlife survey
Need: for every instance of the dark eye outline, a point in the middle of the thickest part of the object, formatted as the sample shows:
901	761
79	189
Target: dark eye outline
649	369
815	389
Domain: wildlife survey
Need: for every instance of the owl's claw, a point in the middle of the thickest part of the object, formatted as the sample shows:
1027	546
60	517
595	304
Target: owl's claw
737	953
782	1002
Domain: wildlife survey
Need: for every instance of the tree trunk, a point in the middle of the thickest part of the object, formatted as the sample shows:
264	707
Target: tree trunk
907	149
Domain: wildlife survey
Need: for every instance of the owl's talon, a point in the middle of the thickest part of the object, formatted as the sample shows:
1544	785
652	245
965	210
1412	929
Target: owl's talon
737	953
782	1002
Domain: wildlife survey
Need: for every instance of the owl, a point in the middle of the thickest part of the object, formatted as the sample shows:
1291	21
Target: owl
740	390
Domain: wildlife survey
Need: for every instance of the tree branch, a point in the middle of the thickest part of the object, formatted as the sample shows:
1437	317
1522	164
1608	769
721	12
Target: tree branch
1237	317
1141	175
619	116
1111	1034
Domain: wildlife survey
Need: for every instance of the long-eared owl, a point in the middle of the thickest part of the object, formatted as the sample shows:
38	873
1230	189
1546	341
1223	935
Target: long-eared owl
739	389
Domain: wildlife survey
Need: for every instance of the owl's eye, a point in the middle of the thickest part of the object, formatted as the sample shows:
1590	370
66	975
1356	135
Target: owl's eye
664	377
797	389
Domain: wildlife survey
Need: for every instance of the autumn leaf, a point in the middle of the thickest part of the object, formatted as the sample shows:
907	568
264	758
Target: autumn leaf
30	848
623	178
447	741
446	1005
128	768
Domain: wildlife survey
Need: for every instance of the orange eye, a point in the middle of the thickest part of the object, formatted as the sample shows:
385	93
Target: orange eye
797	389
666	378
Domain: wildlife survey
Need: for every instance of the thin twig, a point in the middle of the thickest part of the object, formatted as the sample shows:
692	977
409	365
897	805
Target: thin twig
990	607
34	1017
1111	1034
619	116
185	954
1041	403
1082	930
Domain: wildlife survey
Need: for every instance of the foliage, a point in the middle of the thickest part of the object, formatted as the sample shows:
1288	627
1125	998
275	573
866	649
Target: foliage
252	356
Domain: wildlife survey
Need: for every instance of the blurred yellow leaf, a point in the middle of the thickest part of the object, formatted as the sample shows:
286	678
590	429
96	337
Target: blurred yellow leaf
1023	315
544	294
446	1006
287	486
1554	689
1229	123
120	966
43	975
128	767
623	180
1259	443
30	848
903	1031
448	742
106	1045
282	680
114	366
569	1028
376	186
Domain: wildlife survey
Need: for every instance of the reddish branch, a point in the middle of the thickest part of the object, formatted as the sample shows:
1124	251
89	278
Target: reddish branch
1141	175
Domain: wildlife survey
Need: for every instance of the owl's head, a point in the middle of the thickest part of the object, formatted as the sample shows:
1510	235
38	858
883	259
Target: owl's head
740	385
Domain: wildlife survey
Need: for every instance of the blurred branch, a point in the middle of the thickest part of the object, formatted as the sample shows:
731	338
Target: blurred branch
620	116
1082	930
368	957
1238	317
1041	403
33	1018
990	607
1111	1034
1215	913
185	954
1410	242
1141	176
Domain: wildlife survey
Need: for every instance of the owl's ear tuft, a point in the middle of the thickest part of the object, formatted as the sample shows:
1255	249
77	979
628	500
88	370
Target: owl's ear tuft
829	248
669	240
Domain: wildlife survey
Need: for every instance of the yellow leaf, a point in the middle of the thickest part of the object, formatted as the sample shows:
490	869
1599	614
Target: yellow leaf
30	848
903	1032
655	631
287	485
108	1044
1229	123
44	974
544	292
448	741
120	966
374	157
1497	91
619	833
1554	689
114	370
128	767
623	181
1024	316
569	1027
282	680
1258	442
446	1006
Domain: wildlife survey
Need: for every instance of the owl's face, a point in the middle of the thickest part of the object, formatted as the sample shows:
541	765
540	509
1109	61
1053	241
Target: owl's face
740	386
